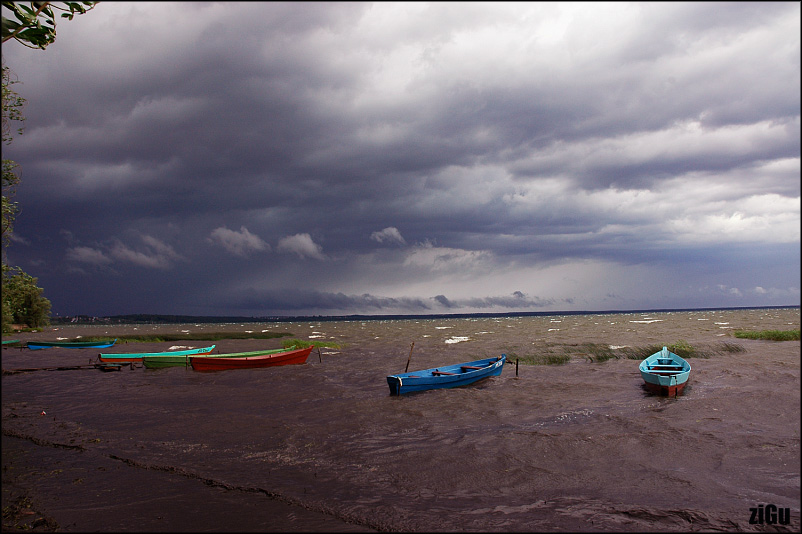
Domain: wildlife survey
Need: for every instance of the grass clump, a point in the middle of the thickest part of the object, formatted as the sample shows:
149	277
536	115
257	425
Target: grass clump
683	349
770	335
214	336
639	353
159	338
538	359
598	352
552	359
558	354
731	347
302	344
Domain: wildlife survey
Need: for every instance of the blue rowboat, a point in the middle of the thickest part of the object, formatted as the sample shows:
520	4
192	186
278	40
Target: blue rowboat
36	345
447	376
665	373
126	357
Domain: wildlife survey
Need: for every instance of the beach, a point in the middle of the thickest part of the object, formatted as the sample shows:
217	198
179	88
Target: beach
324	447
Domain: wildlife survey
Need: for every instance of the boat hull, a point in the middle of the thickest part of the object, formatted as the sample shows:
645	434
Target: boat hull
665	373
37	345
138	356
158	362
449	376
221	362
666	391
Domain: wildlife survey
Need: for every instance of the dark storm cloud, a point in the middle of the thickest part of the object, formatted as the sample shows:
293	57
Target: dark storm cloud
289	302
381	157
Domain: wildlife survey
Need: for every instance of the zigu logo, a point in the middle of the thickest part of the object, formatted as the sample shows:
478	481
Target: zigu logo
770	515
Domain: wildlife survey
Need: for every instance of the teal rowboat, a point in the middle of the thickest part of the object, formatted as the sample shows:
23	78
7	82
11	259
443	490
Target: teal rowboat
447	376
665	373
36	345
138	356
157	362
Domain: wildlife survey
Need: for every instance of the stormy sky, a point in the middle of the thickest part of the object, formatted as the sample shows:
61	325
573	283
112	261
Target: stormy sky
297	158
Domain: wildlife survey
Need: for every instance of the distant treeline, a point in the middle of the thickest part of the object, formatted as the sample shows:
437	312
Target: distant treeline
147	318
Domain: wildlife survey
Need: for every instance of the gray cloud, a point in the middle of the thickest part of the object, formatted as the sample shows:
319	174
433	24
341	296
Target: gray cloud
302	245
154	254
390	234
241	243
88	255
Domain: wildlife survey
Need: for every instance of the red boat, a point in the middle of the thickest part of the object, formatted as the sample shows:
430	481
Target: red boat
217	363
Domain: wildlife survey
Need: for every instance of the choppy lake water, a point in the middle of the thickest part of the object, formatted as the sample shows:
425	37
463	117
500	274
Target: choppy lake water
324	447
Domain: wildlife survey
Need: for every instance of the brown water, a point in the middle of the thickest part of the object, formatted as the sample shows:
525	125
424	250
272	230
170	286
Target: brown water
324	447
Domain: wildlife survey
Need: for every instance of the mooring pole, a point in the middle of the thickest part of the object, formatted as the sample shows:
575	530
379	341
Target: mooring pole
410	358
516	366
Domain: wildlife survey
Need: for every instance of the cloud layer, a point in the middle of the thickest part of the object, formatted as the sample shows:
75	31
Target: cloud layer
411	157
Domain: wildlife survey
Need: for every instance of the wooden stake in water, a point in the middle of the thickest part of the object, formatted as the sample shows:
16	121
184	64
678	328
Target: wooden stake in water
319	357
410	356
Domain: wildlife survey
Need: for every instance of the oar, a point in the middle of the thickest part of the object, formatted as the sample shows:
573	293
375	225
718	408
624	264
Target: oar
63	368
410	356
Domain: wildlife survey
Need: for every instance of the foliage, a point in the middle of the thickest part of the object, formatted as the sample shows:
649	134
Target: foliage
770	335
34	23
12	105
23	302
10	207
12	111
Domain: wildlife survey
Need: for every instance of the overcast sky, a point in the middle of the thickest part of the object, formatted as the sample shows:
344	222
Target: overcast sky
312	158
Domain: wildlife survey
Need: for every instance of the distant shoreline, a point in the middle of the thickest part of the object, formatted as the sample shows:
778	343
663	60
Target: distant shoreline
176	319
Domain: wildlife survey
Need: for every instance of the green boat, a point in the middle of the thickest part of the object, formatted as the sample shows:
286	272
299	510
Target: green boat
10	341
124	357
157	362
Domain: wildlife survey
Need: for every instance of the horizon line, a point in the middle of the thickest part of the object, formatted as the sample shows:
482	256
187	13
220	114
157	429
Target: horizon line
396	316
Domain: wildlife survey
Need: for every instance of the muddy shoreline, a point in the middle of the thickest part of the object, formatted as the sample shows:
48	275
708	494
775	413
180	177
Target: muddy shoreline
324	447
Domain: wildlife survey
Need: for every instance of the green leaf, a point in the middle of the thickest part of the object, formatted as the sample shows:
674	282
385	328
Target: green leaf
26	9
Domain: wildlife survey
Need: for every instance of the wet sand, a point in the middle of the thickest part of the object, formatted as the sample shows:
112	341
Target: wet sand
323	446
